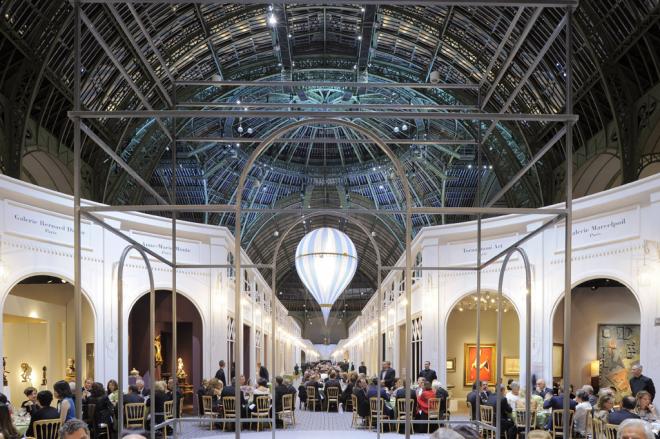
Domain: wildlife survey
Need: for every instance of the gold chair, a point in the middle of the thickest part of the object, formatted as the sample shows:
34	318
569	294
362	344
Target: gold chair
229	409
434	413
486	416
356	416
134	414
373	413
207	409
287	410
348	405
597	427
47	429
539	434
332	397
558	423
521	417
311	398
611	431
262	410
401	411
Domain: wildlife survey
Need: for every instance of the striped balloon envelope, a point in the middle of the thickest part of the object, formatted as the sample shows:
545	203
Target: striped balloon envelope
326	261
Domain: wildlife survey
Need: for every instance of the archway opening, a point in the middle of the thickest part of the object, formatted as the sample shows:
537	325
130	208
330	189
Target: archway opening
461	343
189	342
39	334
604	344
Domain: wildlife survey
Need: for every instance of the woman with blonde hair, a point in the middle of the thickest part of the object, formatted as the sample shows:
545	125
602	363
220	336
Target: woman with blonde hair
644	408
604	407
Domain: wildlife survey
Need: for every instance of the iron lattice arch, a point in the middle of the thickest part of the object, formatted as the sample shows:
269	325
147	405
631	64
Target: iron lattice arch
133	53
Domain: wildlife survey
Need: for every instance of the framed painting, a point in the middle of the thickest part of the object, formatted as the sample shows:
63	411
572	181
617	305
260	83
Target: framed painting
557	360
511	366
618	349
451	365
487	357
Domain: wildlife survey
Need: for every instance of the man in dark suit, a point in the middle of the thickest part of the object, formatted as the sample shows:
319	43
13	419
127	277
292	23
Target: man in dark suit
640	382
45	397
314	382
387	374
280	390
556	402
427	373
372	392
263	372
360	392
362	368
231	391
540	388
472	399
220	374
142	390
484	393
333	381
506	424
625	412
133	396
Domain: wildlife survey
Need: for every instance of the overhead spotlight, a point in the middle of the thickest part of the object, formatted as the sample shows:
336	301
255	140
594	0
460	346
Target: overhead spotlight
354	66
396	129
434	77
469	166
238	102
240	128
404	127
490	166
381	187
373	234
361	9
250	131
272	20
276	233
359	38
289	35
216	78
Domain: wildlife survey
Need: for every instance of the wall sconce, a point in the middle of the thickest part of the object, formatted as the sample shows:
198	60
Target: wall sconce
595	368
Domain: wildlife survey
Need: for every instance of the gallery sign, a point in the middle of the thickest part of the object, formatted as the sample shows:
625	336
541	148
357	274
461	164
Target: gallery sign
187	251
43	225
465	253
612	227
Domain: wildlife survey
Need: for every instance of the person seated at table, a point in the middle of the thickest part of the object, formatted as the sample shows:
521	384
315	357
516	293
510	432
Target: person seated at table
636	429
45	411
62	392
133	396
261	388
112	390
7	428
360	392
313	382
442	394
556	402
507	426
103	410
345	396
30	404
472	399
513	395
582	410
201	392
422	409
540	388
643	408
231	391
292	390
604	407
333	381
281	389
214	390
625	412
159	402
593	399
400	393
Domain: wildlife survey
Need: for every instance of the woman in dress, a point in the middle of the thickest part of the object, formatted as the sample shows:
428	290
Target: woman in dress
30	404
7	428
103	410
604	407
63	394
644	408
112	389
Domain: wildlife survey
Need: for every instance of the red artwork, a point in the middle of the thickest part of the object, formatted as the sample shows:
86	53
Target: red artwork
487	358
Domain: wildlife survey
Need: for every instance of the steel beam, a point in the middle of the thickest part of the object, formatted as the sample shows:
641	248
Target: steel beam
207	37
321	106
369	17
503	42
474	3
150	41
263	84
441	36
324	140
147	114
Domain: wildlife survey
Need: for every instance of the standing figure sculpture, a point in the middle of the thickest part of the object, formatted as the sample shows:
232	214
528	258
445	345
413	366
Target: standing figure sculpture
180	372
158	354
26	373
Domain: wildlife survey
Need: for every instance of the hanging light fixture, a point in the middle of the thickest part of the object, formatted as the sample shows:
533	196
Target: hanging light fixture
326	261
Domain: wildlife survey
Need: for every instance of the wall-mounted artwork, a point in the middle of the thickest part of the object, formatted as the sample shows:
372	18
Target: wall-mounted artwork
511	366
486	359
618	350
557	360
451	365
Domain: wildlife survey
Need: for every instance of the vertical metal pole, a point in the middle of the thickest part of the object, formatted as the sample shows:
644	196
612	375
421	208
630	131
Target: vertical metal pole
379	350
238	324
273	314
478	313
152	361
175	378
120	345
77	255
408	286
529	386
569	219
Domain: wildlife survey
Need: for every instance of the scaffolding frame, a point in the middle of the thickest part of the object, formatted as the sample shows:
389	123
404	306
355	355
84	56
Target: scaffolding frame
568	119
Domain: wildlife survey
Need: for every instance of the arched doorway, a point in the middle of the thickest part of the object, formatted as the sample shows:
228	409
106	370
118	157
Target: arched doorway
39	334
189	340
605	325
461	341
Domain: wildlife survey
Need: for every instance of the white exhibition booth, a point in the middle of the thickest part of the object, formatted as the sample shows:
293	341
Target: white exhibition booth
616	237
36	227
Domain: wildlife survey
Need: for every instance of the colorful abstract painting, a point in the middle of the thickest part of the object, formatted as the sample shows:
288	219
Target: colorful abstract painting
487	359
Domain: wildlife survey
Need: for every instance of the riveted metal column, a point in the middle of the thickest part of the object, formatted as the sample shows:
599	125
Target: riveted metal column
568	236
238	324
173	370
408	286
77	254
478	313
273	321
